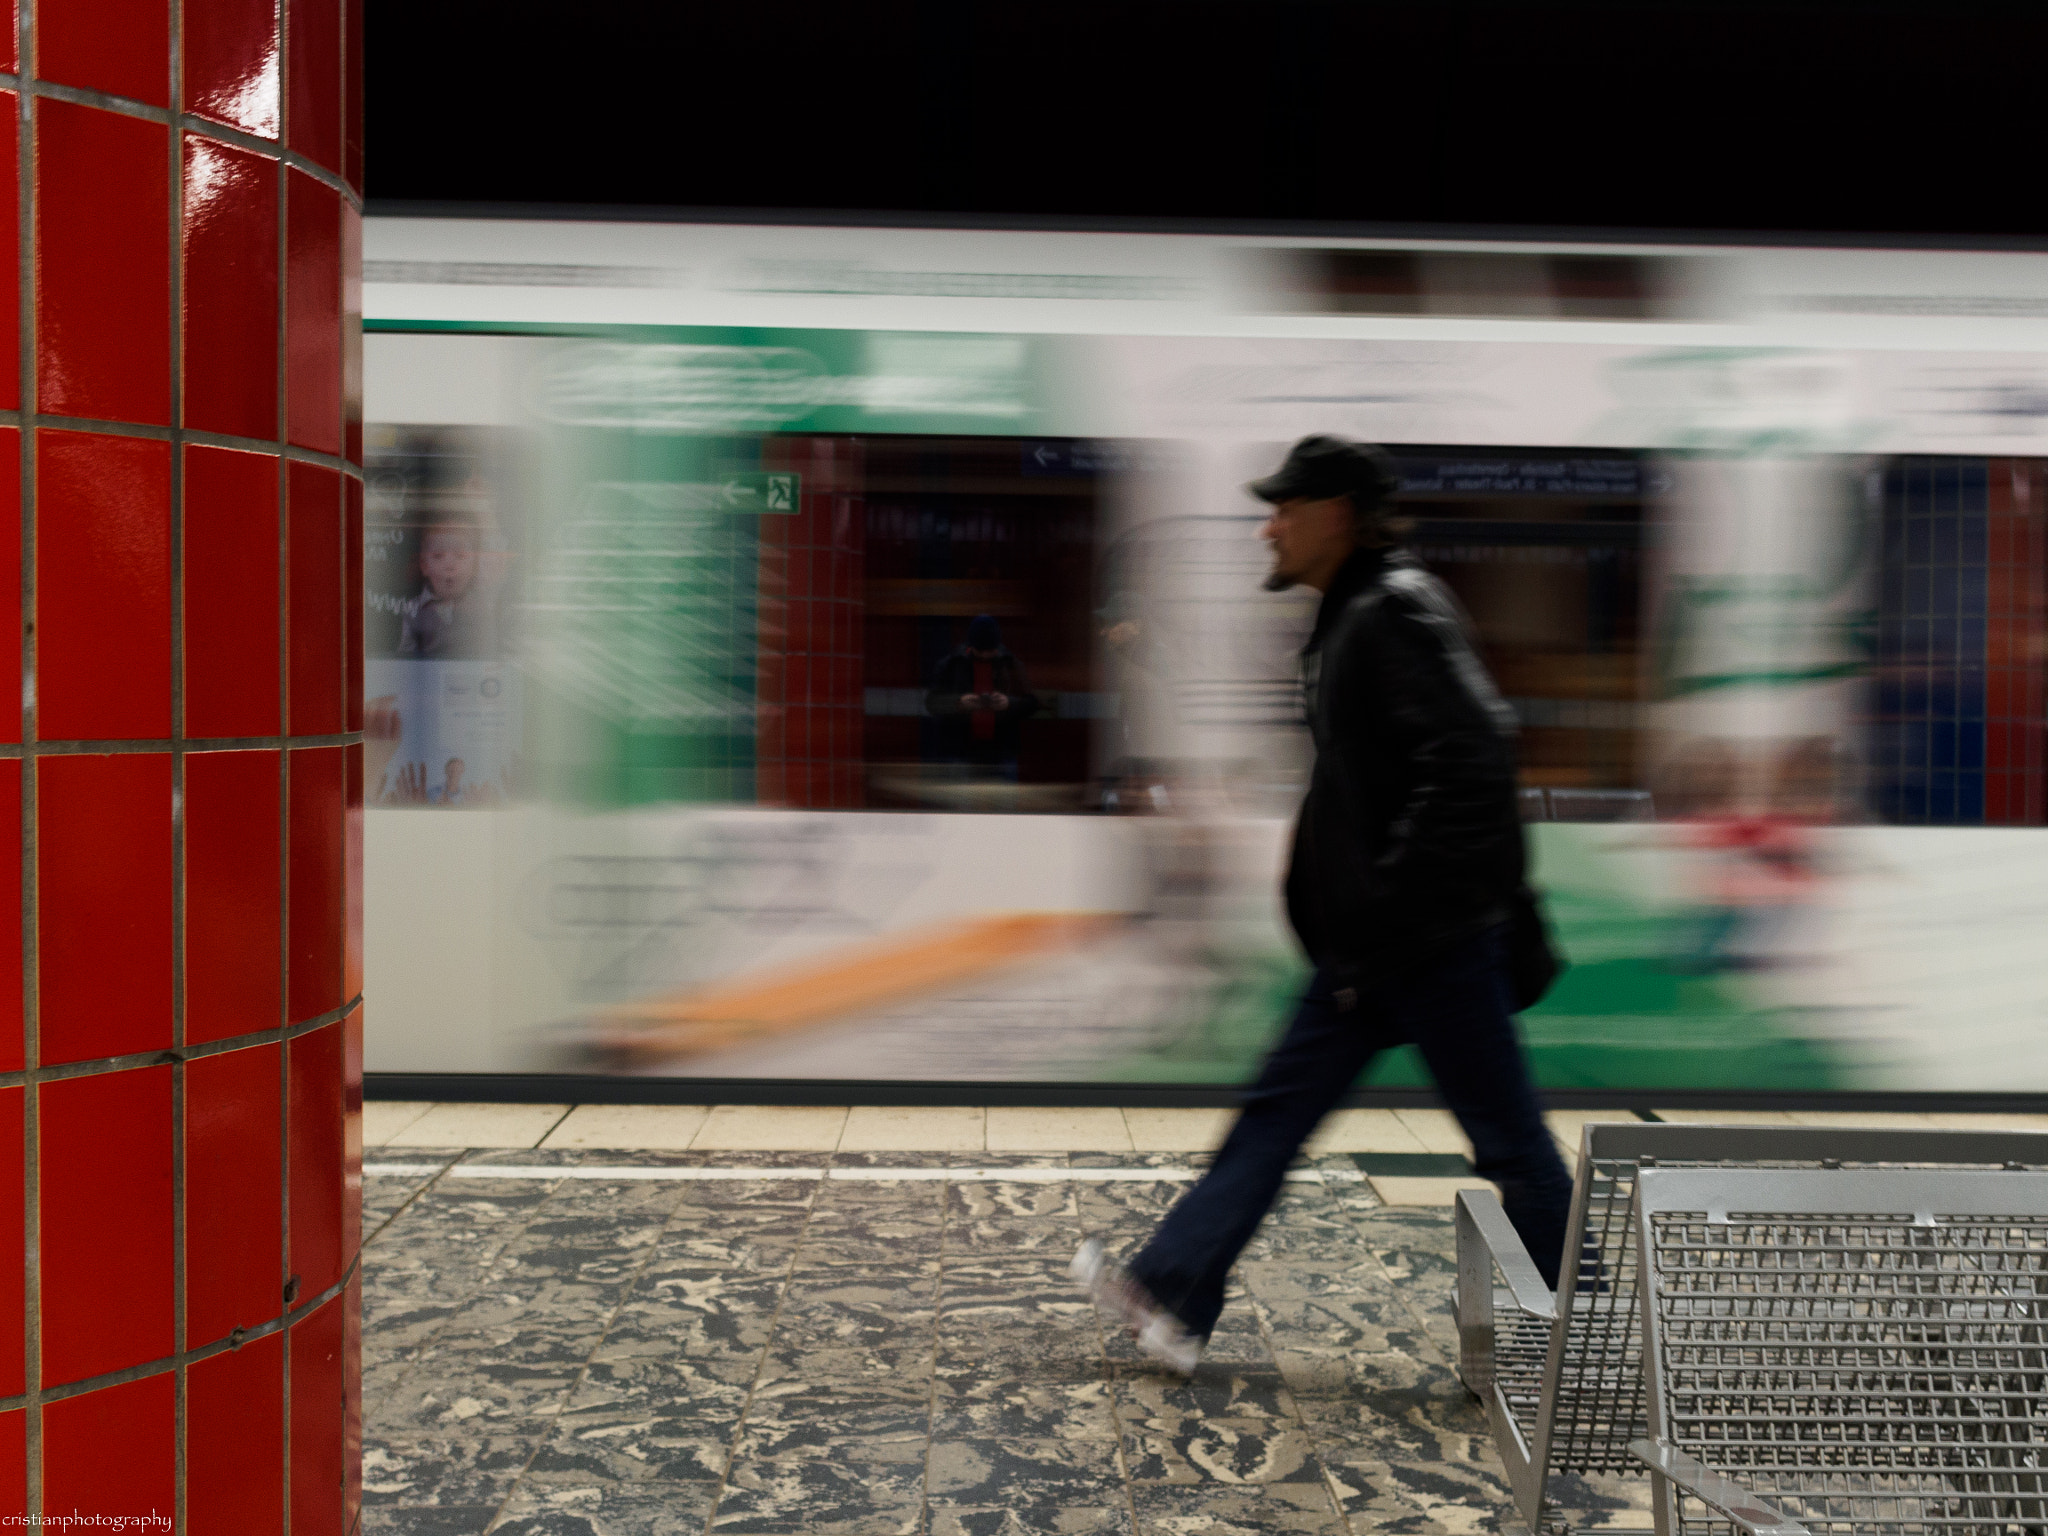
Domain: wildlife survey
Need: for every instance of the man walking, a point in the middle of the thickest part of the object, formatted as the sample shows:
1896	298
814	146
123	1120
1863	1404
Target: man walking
1405	879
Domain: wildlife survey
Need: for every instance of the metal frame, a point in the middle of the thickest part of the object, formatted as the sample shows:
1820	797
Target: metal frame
1869	1344
1563	1385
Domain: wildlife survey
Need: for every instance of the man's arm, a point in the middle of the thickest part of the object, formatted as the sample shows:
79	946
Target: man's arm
1445	727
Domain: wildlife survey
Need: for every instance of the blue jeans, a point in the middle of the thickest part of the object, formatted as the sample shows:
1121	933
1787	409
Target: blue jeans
1456	1010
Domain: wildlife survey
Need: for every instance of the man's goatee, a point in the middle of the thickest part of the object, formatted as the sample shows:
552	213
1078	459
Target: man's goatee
1277	582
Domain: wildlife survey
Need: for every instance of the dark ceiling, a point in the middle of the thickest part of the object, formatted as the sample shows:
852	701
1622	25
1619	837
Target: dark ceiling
1836	119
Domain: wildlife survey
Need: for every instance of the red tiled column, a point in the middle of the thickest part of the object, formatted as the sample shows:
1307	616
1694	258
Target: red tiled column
180	1018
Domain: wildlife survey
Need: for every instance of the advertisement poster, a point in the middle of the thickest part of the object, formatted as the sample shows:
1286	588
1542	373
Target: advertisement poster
440	680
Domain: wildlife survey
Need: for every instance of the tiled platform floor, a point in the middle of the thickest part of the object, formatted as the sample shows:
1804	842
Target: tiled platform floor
596	1340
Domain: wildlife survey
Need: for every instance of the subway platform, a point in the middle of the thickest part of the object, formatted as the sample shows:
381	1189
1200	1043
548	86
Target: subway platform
612	1321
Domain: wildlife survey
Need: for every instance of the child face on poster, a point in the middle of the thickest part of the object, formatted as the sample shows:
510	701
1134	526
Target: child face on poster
448	561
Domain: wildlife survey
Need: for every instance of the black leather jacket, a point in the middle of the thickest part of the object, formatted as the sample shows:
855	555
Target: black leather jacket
1410	837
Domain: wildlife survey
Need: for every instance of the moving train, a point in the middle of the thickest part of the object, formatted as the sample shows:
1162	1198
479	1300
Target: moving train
696	555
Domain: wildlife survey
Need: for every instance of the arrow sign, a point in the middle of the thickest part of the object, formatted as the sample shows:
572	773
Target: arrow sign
777	491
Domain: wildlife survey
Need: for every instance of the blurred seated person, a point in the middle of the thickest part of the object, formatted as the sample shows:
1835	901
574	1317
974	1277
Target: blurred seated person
981	700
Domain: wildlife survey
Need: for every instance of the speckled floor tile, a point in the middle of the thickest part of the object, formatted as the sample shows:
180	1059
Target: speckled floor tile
712	1389
868	1245
1039	1400
1029	1520
1162	1400
1431	1499
1237	1341
439	1520
1252	1451
448	1391
633	1445
709	1312
444	1469
608	1509
1295	1509
890	1417
1003	1201
598	1357
811	1496
1390	1408
1062	1471
1332	1322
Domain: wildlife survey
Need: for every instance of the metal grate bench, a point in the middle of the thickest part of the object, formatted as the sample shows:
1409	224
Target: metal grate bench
1563	1386
1857	1352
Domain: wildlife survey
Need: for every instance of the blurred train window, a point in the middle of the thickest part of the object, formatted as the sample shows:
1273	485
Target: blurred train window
926	627
1559	285
1958	726
1545	550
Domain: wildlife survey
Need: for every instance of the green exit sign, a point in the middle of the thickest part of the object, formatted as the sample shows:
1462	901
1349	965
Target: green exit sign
768	490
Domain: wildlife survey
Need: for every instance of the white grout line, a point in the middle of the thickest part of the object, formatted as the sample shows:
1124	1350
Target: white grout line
613	1173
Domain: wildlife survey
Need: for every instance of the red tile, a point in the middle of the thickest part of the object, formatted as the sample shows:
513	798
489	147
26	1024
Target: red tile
231	64
234	1440
9	19
352	93
313	115
351	334
319	1411
103	880
10	241
13	1371
104	1186
352	875
318	834
103	587
230	292
103	266
233	1202
231	593
122	47
10	577
232	890
13	1052
352	602
318	1134
313	312
13	1465
319	631
114	1453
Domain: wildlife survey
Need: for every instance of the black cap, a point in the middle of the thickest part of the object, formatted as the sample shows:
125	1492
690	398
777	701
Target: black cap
1319	467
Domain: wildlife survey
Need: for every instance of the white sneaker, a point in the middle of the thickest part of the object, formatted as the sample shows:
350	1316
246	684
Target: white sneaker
1160	1335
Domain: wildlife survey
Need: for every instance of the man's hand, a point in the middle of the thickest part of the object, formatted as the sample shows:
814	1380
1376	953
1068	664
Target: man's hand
410	787
970	701
382	730
998	701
